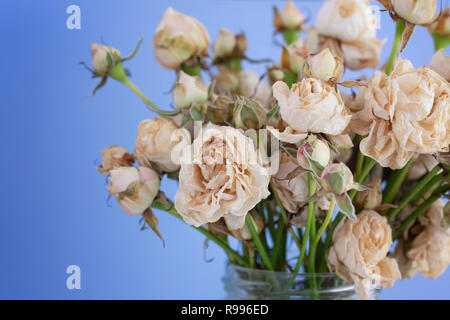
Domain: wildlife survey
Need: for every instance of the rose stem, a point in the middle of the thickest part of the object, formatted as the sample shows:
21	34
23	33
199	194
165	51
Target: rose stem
277	241
393	212
395	181
433	183
311	216
258	244
399	28
205	232
419	210
283	215
127	82
327	220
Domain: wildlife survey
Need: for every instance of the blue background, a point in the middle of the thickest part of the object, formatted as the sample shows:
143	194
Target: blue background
54	203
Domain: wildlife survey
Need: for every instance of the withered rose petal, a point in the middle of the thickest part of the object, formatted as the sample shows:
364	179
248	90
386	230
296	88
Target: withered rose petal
223	179
312	106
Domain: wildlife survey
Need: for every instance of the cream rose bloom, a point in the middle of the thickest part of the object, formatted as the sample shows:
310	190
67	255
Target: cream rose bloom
223	179
312	106
346	20
406	113
429	252
358	253
291	183
178	38
440	63
155	143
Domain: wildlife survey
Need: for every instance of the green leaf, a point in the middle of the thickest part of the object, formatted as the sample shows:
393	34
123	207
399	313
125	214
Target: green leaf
315	166
345	205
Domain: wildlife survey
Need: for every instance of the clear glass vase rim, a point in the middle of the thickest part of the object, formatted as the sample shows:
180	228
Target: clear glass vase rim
299	274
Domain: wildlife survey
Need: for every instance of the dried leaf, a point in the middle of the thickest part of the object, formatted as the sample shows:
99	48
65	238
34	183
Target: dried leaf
406	35
152	222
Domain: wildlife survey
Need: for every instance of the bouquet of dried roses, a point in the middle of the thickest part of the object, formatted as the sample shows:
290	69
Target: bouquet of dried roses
339	169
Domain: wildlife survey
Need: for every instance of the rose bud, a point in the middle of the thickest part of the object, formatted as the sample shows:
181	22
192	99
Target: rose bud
154	144
324	66
293	56
442	25
134	187
227	80
244	232
188	90
288	18
225	44
114	157
178	38
100	61
275	74
370	198
241	44
416	11
317	149
249	114
337	178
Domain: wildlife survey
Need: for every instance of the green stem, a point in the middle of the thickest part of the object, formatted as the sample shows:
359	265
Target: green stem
192	71
327	220
440	41
399	28
283	215
398	176
418	188
359	164
127	82
311	215
368	165
258	244
205	232
290	36
419	210
433	183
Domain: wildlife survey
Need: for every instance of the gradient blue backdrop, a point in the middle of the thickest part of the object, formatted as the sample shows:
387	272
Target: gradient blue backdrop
54	203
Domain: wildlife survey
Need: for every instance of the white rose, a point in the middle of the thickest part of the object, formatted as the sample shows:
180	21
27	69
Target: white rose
416	11
223	179
312	106
346	20
408	113
358	253
179	37
134	187
154	144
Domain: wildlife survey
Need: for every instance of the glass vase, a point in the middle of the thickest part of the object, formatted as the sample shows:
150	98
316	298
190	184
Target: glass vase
254	284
